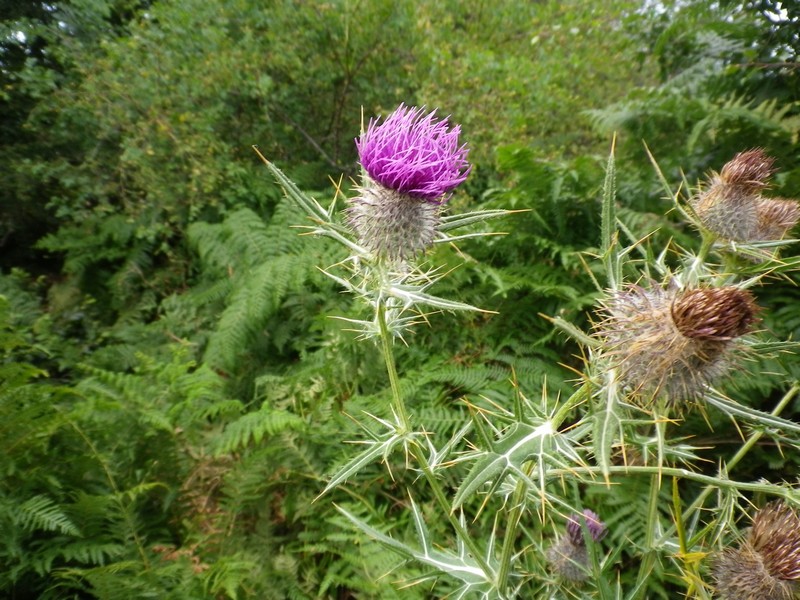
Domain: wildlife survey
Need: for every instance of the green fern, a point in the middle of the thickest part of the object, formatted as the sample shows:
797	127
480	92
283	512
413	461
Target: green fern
252	427
41	512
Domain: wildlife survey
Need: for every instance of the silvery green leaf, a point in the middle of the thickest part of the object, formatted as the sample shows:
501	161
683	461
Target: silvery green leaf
449	222
607	422
368	456
521	442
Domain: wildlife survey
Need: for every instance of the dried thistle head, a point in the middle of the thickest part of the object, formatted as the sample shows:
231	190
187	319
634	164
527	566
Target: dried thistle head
740	574
766	566
732	206
776	217
412	162
775	535
569	556
714	313
750	170
674	342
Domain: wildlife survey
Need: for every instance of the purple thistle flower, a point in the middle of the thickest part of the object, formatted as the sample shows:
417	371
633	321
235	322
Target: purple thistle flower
569	556
414	154
412	161
597	529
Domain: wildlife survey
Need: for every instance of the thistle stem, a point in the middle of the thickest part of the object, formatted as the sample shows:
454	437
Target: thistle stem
388	355
697	266
580	395
404	423
712	482
514	516
745	448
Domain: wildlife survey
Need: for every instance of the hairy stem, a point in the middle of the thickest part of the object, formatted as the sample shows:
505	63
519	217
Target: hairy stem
404	423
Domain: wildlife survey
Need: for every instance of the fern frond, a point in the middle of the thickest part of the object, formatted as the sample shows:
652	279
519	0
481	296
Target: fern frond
43	513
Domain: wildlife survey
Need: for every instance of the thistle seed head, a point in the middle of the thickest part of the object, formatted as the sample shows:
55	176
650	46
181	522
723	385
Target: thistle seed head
749	170
776	217
766	566
740	574
674	342
775	535
726	210
731	205
714	313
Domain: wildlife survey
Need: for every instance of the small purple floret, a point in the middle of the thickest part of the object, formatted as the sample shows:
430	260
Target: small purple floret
414	153
597	529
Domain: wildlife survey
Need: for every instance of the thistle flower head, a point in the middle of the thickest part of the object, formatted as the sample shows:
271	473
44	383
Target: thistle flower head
750	169
414	153
766	566
597	529
412	161
674	342
775	535
714	313
569	556
731	204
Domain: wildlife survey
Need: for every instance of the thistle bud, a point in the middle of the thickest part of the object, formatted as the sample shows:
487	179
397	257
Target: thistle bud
732	205
597	529
775	535
674	342
569	556
766	566
412	161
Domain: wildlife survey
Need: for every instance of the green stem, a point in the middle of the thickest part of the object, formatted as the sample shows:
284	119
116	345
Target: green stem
698	264
388	355
417	451
746	447
580	395
514	516
712	482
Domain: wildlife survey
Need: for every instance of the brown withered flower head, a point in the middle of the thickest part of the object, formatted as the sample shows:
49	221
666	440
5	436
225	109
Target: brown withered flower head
766	566
674	342
732	206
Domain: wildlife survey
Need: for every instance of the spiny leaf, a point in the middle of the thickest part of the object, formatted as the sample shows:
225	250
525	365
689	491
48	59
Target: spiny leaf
515	447
373	451
607	423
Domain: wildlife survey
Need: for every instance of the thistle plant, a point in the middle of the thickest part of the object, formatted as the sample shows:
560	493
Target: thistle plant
766	565
732	205
569	557
673	326
411	163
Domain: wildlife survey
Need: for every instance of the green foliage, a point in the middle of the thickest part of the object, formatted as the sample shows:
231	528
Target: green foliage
174	394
